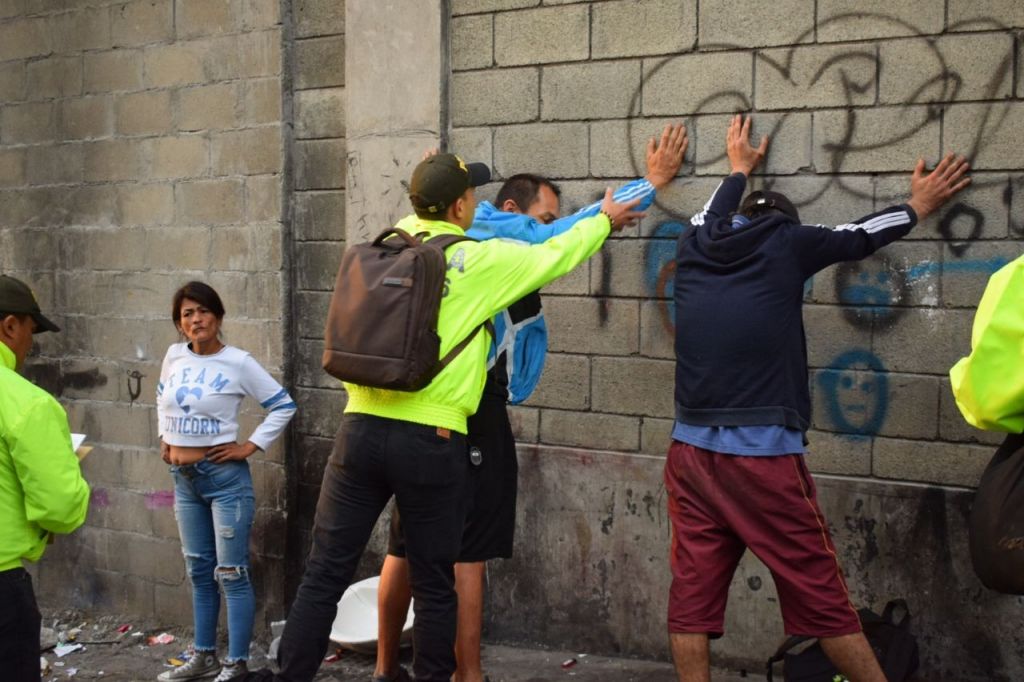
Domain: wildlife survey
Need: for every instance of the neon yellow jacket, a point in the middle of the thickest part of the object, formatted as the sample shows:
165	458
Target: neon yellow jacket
483	279
989	383
41	486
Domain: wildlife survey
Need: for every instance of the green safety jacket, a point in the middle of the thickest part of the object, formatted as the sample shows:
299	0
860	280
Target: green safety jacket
483	279
989	383
41	486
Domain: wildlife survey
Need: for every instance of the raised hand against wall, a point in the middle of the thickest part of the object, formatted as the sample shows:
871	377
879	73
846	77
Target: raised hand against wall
743	156
666	156
929	192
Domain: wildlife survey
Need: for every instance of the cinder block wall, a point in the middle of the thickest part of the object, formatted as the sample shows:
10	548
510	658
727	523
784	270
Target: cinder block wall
141	146
851	95
317	47
850	100
149	142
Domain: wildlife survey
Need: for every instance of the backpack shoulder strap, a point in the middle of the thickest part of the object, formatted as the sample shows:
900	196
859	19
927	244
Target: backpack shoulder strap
407	239
443	241
461	346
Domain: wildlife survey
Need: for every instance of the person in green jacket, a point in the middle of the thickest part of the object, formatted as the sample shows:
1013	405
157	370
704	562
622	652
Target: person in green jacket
41	486
412	444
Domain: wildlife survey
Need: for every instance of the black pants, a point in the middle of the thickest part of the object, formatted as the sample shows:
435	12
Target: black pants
19	627
373	459
491	487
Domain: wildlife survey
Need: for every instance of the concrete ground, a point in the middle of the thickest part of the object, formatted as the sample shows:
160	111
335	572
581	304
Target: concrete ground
111	655
516	664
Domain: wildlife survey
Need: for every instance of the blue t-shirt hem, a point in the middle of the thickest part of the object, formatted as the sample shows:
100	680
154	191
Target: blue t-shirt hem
732	440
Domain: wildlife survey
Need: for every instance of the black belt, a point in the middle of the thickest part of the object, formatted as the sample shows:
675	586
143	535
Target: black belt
13	573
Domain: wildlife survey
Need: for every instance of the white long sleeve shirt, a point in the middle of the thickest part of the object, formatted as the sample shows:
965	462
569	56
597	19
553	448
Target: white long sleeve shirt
198	398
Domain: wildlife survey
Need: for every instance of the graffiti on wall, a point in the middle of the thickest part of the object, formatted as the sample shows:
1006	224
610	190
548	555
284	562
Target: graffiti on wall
856	392
876	293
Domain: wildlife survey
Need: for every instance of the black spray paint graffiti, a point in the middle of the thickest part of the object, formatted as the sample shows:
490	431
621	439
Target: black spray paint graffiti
952	223
858	71
876	293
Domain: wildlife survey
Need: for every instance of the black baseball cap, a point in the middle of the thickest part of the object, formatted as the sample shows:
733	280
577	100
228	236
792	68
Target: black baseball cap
762	201
440	179
17	297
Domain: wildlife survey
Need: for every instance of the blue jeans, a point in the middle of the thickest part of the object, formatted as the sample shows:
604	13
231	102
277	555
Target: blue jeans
214	507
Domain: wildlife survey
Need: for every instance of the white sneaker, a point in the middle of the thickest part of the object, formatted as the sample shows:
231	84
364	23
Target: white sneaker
202	664
232	671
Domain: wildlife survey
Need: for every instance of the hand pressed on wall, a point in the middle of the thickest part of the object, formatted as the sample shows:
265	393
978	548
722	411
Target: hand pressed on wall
929	192
743	156
666	156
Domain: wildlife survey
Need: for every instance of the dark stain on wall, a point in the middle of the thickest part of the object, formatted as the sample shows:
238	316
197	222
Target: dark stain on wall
49	377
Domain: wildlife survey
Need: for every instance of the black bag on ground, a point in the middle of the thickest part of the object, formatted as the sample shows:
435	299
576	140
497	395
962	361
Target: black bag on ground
893	644
382	321
996	530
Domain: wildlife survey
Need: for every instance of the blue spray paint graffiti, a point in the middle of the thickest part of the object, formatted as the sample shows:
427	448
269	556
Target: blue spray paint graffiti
874	288
660	268
856	390
871	289
985	266
856	384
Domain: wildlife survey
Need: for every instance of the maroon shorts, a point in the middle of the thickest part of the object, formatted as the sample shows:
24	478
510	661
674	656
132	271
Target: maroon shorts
720	505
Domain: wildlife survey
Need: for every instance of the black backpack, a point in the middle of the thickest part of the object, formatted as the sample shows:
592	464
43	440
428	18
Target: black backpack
382	323
996	530
893	644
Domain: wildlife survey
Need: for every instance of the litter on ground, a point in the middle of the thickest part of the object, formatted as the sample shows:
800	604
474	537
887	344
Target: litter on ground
63	650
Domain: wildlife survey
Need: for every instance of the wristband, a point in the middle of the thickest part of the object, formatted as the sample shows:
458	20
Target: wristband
607	215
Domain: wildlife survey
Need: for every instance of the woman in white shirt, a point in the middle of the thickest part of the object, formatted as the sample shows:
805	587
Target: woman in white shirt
202	384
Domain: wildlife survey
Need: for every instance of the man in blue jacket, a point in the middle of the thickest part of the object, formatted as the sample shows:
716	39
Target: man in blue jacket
735	472
526	210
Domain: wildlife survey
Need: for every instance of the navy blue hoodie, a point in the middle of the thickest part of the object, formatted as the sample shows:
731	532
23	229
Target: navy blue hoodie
741	353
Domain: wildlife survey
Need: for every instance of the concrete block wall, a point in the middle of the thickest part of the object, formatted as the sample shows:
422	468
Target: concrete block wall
317	47
850	100
144	143
851	96
141	146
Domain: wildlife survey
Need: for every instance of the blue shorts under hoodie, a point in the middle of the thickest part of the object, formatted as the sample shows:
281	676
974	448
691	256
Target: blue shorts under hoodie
741	351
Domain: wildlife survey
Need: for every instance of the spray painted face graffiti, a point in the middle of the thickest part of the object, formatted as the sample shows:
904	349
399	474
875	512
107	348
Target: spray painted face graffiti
871	289
856	392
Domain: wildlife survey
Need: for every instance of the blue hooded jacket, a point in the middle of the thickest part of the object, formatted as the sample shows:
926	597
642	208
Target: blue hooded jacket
521	335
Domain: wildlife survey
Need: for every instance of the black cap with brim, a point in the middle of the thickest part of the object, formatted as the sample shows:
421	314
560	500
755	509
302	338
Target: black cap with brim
440	179
16	297
762	201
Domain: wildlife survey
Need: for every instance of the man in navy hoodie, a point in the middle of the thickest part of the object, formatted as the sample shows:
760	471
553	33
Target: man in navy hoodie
735	472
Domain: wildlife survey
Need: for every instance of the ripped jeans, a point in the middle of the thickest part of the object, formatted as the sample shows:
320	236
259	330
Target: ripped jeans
214	506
